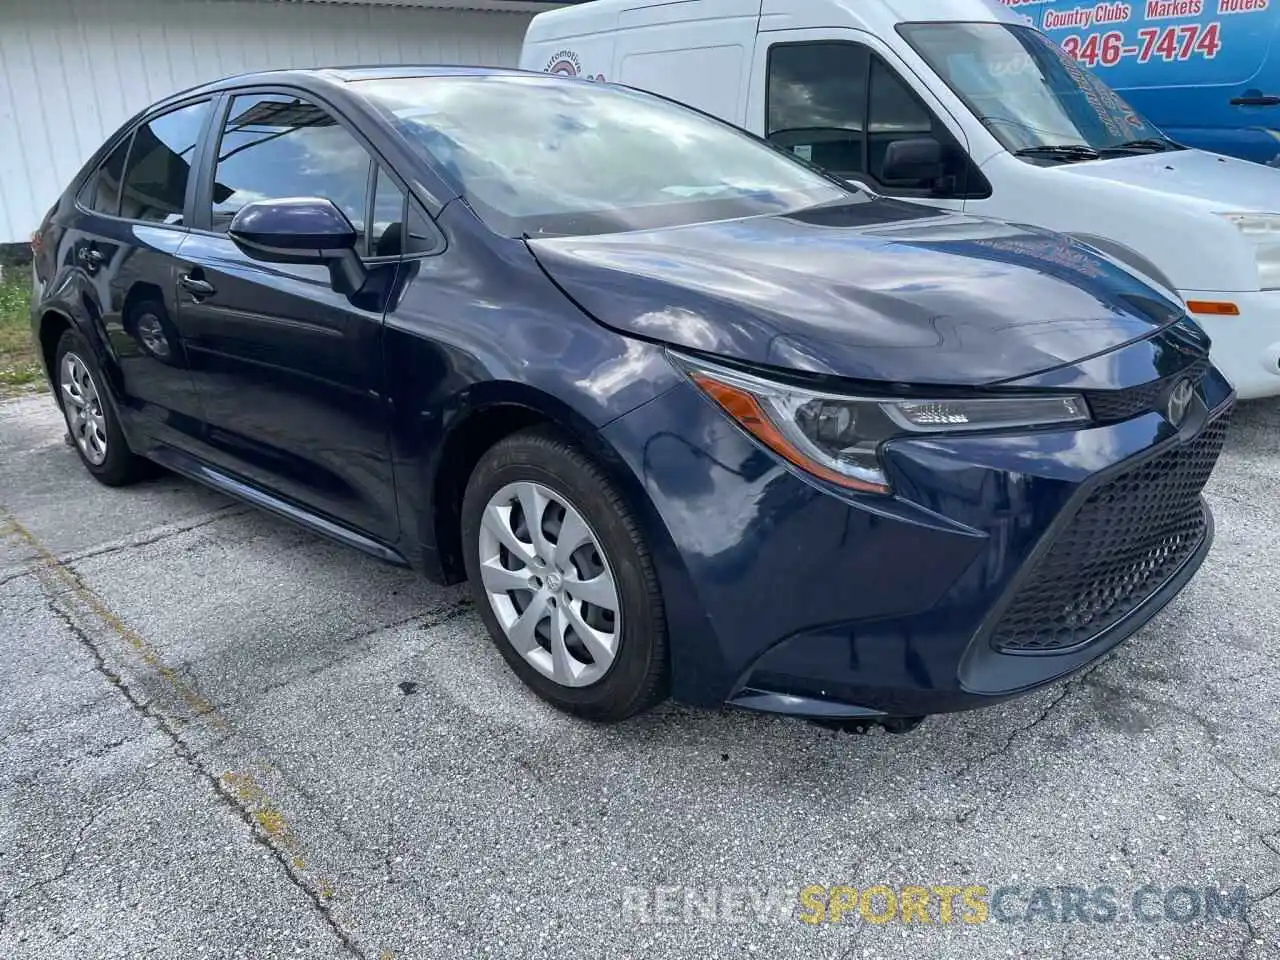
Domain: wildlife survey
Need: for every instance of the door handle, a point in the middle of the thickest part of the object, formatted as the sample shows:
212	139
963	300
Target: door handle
197	288
1261	100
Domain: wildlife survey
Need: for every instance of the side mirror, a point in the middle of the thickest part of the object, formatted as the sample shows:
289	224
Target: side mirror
303	230
918	160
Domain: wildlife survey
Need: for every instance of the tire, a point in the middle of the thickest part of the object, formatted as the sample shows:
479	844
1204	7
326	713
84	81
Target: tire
118	465
604	691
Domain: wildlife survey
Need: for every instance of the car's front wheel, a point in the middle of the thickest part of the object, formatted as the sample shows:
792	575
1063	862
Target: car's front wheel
92	421
563	578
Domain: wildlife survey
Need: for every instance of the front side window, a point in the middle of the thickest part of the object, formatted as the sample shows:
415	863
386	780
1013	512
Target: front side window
817	103
840	106
386	226
576	158
159	169
1026	91
275	146
895	114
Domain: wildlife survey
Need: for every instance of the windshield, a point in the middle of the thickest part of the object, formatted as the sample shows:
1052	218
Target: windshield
540	155
1026	90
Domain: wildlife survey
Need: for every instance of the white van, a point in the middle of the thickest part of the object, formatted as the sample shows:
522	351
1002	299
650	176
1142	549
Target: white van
962	104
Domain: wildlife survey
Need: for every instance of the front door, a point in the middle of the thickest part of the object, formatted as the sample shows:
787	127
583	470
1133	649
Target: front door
290	372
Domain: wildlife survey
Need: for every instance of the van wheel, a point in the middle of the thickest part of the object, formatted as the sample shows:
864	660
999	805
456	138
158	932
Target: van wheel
563	579
92	421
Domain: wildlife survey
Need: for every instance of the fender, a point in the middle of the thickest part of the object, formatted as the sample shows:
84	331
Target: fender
492	410
470	424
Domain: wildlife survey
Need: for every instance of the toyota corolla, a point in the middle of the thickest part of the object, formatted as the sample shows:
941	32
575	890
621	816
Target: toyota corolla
692	418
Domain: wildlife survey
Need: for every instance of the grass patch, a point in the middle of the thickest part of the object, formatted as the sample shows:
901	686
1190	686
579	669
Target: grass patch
19	365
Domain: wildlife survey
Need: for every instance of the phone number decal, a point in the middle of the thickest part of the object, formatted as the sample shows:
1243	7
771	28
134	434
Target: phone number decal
1182	42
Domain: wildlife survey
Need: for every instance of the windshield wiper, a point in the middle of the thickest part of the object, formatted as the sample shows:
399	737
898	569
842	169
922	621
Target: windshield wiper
1154	144
1065	151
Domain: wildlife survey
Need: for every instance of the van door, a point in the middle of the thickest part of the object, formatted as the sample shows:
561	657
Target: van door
1208	74
694	51
842	99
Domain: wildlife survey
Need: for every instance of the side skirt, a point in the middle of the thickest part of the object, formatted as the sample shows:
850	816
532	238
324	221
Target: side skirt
194	469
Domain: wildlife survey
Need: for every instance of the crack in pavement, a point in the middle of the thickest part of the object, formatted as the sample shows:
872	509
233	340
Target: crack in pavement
144	539
222	791
64	870
156	535
259	821
1245	782
1068	687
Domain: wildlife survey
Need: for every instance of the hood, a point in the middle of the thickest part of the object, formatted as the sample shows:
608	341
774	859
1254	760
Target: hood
1215	183
872	290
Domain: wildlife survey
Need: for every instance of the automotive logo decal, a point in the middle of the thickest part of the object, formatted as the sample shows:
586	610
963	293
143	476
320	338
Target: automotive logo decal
1179	402
565	63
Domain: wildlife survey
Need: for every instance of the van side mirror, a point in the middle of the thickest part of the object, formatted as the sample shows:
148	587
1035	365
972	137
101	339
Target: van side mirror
301	230
913	160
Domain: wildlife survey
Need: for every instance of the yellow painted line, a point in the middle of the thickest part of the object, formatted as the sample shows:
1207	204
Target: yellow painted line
95	604
238	786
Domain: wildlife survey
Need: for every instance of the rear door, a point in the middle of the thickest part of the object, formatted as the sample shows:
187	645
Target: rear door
290	372
131	218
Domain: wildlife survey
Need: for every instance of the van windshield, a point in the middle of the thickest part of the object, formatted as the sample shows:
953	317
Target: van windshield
538	156
1037	101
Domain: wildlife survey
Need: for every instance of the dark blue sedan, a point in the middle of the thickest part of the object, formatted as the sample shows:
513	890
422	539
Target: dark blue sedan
693	419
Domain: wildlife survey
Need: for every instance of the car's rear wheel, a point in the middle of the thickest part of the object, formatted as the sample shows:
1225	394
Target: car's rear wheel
92	421
563	578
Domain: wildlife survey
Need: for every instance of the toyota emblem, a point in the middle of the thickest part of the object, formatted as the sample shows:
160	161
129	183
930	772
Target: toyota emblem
1179	402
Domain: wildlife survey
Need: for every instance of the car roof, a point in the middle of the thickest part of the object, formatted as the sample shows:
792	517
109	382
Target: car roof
319	78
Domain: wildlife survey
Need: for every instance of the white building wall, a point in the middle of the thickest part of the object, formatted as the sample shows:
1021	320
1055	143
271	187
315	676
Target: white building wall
72	71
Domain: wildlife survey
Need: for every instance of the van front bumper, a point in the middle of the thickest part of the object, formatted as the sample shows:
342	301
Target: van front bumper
1246	348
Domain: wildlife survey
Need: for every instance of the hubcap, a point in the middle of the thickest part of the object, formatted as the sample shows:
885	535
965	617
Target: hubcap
550	584
82	405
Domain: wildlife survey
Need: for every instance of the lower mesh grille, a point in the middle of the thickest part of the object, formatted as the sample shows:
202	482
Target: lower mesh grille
1128	538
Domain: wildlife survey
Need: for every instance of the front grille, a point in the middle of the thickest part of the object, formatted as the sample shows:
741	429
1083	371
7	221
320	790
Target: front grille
1112	406
1128	538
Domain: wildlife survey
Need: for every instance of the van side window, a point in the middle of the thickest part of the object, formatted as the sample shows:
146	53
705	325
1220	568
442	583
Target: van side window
895	114
838	105
817	103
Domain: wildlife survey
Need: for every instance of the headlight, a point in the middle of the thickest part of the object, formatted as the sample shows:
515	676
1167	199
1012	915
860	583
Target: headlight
837	438
1263	231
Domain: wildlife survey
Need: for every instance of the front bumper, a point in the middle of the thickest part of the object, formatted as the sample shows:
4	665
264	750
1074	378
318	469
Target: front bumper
1246	348
787	595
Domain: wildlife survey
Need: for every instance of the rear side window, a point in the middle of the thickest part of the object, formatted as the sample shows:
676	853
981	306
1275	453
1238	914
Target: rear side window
159	168
278	146
102	191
